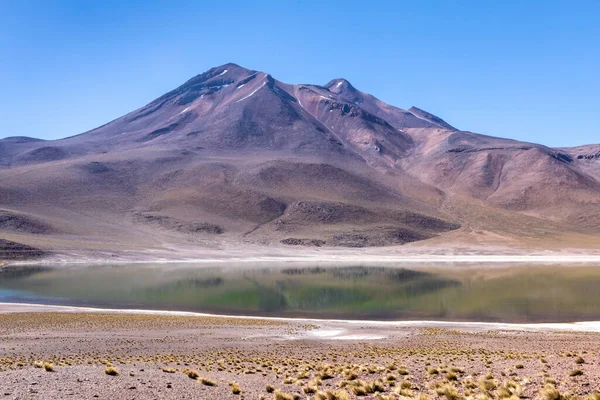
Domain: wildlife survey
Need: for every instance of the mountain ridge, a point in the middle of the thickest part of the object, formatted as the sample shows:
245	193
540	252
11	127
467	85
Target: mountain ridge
234	155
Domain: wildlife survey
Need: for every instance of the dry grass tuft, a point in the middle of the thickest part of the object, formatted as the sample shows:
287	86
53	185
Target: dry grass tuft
448	391
550	393
576	372
282	396
207	382
192	374
337	395
451	376
235	388
112	371
309	389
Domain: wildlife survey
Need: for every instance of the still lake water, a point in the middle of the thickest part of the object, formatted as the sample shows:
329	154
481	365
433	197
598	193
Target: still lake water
516	293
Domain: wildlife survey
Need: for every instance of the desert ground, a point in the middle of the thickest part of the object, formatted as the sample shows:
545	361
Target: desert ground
64	352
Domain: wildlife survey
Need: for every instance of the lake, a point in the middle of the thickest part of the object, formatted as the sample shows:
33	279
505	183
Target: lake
456	292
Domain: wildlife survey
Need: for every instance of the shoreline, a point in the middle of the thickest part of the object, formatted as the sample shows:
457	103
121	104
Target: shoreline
318	257
576	326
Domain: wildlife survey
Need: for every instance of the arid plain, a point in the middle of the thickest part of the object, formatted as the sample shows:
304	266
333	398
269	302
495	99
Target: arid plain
94	354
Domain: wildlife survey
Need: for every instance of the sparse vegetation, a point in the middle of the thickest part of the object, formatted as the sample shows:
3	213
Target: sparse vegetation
576	372
235	388
282	396
362	370
448	391
192	374
111	370
551	393
208	382
451	376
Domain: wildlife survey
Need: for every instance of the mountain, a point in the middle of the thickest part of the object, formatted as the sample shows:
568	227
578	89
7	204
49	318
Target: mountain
234	155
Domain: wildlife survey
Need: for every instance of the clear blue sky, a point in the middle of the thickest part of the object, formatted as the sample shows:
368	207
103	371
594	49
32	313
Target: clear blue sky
521	69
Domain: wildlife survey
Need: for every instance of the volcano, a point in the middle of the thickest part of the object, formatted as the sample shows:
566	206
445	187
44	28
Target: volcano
236	156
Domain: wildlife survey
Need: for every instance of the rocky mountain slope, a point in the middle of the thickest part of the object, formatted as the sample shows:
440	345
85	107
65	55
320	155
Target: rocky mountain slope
234	155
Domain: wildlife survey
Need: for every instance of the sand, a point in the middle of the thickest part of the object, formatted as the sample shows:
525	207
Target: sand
252	254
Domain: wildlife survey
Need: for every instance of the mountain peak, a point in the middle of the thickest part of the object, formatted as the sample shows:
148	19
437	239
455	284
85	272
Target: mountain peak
228	71
339	86
229	67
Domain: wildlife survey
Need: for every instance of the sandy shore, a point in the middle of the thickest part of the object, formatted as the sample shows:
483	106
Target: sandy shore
158	355
248	253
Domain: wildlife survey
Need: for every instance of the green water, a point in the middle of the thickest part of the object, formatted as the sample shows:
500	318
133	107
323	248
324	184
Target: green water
516	293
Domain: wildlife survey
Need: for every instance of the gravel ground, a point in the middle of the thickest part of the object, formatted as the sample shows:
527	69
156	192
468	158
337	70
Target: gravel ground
57	355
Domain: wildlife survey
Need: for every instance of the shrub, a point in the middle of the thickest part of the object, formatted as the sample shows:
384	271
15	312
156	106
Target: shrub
550	393
337	395
282	396
235	388
308	389
451	376
207	382
487	385
326	375
576	372
448	391
192	374
351	376
359	390
376	386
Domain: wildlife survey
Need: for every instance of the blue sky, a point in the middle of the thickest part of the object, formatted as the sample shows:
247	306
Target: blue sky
521	69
